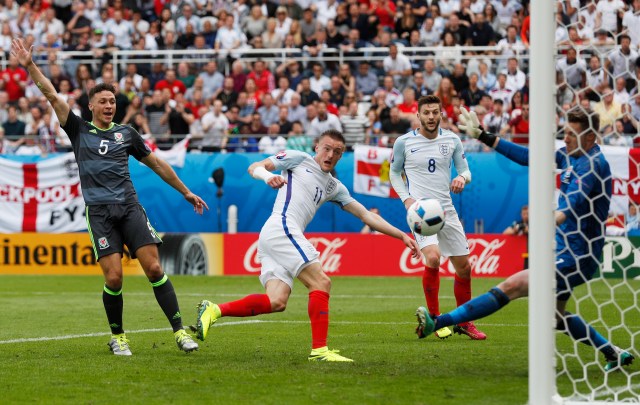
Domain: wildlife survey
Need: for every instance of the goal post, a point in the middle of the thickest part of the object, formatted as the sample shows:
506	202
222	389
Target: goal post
542	375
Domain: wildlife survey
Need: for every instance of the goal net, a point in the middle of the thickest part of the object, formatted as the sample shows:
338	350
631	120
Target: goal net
596	68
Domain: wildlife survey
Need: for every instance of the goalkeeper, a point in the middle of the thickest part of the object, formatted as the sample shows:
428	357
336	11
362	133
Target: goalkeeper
583	205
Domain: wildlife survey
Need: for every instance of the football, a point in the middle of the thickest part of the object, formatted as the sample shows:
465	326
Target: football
425	216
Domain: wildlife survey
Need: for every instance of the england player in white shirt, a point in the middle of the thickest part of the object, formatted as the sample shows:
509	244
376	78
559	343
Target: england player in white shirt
304	184
425	156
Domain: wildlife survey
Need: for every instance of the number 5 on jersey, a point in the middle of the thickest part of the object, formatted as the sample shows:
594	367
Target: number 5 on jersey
104	147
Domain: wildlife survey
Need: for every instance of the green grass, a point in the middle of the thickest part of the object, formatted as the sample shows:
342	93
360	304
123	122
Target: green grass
262	360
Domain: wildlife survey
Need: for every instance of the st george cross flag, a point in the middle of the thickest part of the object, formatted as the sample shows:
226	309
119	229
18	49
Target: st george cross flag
41	197
371	171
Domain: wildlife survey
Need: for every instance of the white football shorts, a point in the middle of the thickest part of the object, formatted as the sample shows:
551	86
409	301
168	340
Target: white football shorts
450	239
283	255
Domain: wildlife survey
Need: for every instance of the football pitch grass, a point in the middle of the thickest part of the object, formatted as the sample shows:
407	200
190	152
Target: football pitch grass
53	346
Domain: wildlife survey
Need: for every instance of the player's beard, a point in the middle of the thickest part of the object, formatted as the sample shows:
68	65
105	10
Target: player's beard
427	131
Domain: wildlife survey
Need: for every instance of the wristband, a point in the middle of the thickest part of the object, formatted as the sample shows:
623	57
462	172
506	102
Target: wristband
487	138
260	173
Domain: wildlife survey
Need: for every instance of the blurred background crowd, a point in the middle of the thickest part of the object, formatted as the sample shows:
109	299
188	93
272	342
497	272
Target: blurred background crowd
268	75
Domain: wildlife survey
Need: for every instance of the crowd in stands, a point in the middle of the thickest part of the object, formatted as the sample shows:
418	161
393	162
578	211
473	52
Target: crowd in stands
228	103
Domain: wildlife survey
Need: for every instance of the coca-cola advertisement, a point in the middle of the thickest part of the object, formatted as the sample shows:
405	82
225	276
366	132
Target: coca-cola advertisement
348	254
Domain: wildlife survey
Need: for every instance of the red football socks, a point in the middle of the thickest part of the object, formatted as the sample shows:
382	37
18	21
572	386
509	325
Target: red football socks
251	305
461	289
319	317
431	287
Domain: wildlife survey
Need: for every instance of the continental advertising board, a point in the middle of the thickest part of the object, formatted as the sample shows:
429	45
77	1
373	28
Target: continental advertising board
72	253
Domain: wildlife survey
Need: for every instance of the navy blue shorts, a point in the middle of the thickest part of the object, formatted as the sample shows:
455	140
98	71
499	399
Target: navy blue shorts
111	226
569	276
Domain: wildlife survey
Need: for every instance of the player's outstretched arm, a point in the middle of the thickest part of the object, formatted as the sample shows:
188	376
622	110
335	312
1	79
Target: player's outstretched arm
262	171
166	173
25	58
378	223
468	122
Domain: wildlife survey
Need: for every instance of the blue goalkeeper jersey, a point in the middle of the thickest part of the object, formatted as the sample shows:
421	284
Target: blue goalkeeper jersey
585	196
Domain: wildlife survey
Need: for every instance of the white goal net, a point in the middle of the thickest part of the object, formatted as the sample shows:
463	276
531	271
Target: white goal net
597	69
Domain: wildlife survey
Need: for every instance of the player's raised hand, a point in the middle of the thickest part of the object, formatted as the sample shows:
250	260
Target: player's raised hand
24	55
468	122
198	203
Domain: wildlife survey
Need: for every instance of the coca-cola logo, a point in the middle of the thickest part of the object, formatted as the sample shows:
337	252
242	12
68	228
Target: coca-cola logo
328	249
482	257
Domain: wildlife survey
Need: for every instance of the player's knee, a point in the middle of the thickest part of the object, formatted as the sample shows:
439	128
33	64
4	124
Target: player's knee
513	288
324	284
113	281
278	304
153	271
433	260
464	270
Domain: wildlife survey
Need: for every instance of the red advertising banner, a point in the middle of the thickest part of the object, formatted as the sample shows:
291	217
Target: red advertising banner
352	254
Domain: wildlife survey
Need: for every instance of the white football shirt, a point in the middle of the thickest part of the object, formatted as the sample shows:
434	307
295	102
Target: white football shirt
427	165
307	188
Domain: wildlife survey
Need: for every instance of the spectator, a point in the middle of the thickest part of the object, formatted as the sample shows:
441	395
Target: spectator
446	92
296	112
215	126
498	119
297	140
395	125
29	147
448	54
393	96
458	30
398	67
379	105
263	78
608	110
374	128
273	142
509	46
132	74
486	79
347	80
459	78
255	24
407	23
308	25
409	106
631	23
448	7
226	94
283	121
323	121
13	80
519	227
325	10
255	128
13	126
271	38
212	78
4	105
432	77
419	86
574	69
621	60
595	79
121	29
336	91
268	110
354	126
620	93
505	9
429	35
518	100
8	147
311	112
334	37
472	94
79	24
291	70
519	127
229	37
439	22
180	118
366	80
154	113
187	38
480	32
188	18
516	78
318	82
502	90
172	83
238	74
608	12
282	95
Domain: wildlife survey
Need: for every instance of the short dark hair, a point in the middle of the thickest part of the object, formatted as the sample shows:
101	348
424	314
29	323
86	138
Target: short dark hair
588	120
100	88
333	134
430	99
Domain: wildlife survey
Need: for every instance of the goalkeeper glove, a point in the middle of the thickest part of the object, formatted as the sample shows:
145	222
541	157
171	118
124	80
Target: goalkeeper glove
468	122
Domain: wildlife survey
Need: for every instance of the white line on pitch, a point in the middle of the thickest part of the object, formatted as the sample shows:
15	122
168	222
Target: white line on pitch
217	325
